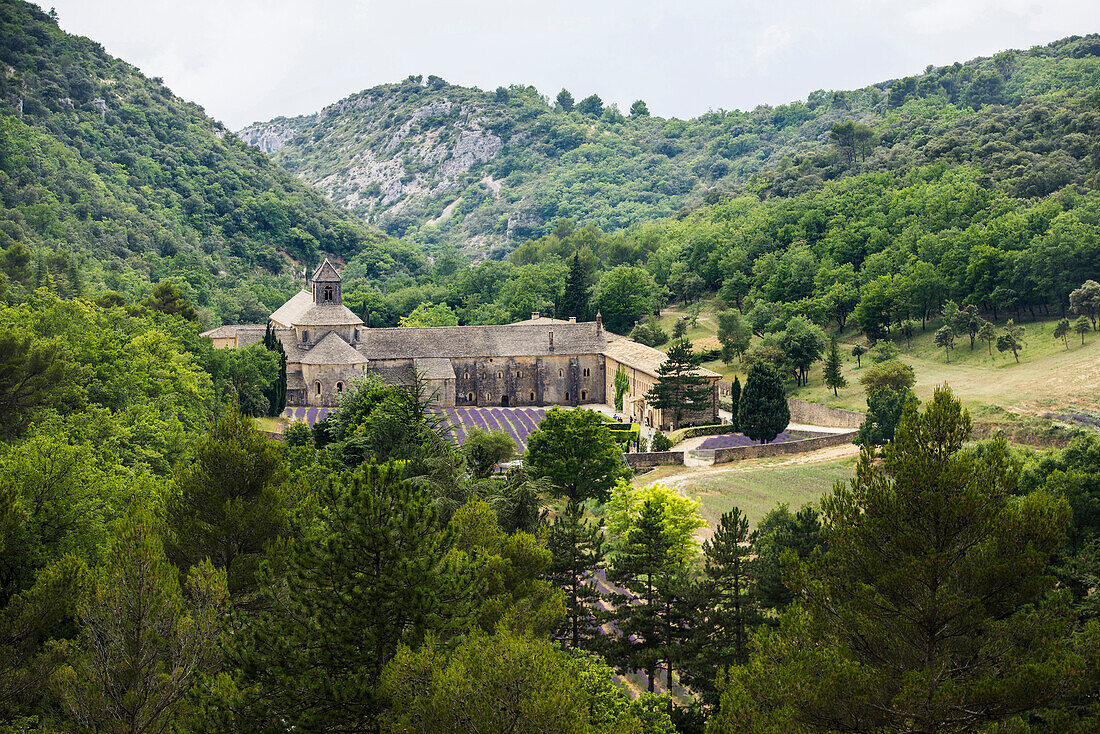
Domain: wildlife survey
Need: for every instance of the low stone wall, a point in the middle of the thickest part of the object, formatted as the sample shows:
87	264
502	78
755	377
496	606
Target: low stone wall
815	414
653	459
760	451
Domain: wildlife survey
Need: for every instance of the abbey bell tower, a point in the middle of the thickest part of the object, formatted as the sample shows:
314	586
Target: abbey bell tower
326	285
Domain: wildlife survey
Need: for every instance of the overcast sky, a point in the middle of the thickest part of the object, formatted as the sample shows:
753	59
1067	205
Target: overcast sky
249	60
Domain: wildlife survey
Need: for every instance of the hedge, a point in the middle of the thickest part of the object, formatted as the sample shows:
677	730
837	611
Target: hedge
682	434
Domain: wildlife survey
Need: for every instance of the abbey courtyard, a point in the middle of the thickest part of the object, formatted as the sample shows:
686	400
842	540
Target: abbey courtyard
537	362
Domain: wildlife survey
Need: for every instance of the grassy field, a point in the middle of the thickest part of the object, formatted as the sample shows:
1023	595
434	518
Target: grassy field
758	486
1050	379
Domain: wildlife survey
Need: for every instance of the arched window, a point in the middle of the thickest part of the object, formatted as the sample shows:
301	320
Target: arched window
469	397
500	374
586	372
305	336
567	396
519	374
328	292
488	397
339	387
561	372
584	395
357	335
532	397
317	386
465	375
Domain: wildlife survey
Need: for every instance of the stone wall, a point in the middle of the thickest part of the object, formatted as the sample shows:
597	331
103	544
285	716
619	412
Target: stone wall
653	459
739	453
815	414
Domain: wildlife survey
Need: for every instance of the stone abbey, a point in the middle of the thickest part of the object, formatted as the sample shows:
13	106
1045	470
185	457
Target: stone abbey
536	362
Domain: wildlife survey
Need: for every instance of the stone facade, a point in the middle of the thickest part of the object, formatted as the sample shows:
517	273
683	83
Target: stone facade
538	362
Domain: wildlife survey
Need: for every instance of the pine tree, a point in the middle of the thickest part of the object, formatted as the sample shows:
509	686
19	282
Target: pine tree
372	573
641	566
735	402
679	386
728	609
578	549
833	377
1061	331
574	299
763	413
933	608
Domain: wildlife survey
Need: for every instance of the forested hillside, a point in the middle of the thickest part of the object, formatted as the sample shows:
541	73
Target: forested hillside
485	170
108	181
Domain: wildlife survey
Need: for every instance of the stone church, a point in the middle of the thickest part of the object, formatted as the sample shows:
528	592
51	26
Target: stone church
538	362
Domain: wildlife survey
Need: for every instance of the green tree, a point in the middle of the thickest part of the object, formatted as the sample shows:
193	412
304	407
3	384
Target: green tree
643	565
579	548
728	611
988	334
885	406
168	298
431	314
230	498
591	105
931	608
564	101
734	334
858	351
622	386
1085	301
892	374
945	337
276	393
763	413
649	332
679	387
145	641
660	442
576	452
833	377
1012	340
376	567
574	299
639	109
779	533
33	372
625	293
485	449
1081	326
735	401
852	139
1061	331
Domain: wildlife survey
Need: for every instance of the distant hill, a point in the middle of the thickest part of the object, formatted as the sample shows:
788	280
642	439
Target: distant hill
486	170
110	181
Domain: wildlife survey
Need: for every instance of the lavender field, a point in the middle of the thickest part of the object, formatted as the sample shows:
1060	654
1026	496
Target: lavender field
732	440
309	415
516	422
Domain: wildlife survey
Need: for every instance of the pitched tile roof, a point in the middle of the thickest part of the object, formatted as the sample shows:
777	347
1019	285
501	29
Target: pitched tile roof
641	357
325	273
245	334
331	350
434	368
522	339
286	314
327	314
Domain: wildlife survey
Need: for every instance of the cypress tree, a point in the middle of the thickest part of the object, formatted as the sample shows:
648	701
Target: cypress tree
574	299
833	377
735	401
276	391
763	413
